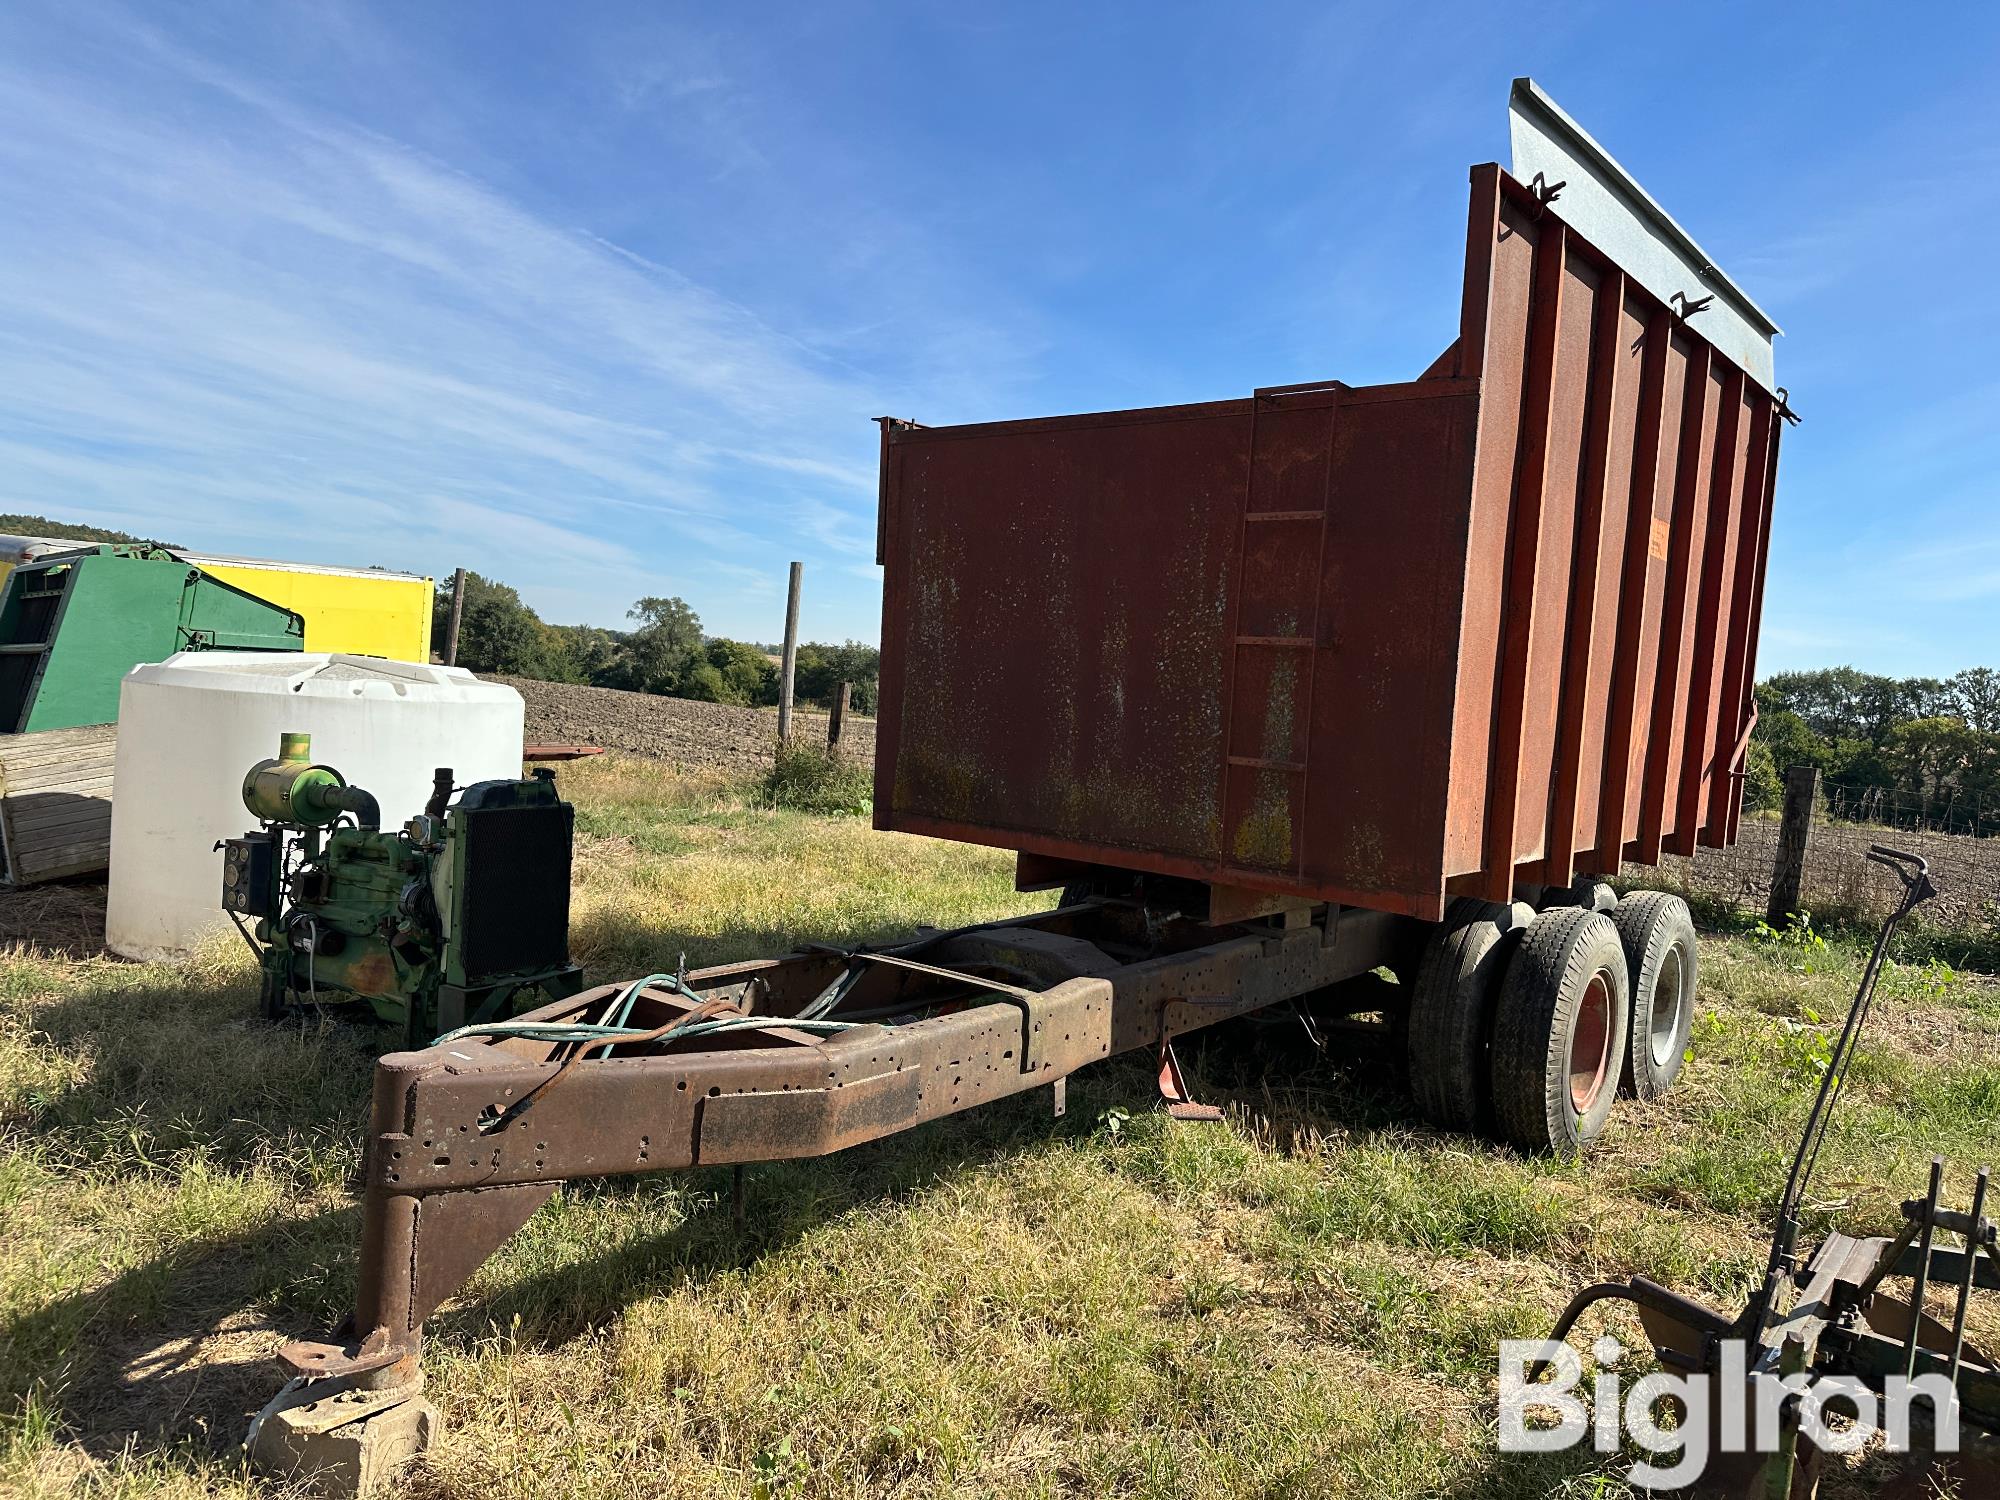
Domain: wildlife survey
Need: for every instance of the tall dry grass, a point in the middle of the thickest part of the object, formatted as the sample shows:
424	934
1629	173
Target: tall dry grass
1305	1300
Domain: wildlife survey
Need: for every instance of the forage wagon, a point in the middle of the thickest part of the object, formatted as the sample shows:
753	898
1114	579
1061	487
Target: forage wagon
1279	690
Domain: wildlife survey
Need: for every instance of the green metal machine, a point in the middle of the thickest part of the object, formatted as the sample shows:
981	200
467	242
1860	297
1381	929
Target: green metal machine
72	624
460	916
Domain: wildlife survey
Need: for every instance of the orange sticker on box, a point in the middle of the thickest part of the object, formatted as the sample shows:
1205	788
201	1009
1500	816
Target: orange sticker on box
1661	531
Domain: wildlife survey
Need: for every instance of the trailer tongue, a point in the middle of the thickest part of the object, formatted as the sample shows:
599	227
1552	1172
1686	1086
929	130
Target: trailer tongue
1283	690
770	1060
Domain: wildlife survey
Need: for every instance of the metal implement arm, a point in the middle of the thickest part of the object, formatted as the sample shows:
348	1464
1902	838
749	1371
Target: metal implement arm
1914	874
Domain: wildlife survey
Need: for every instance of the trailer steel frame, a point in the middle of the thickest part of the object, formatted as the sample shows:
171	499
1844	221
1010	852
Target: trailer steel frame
467	1139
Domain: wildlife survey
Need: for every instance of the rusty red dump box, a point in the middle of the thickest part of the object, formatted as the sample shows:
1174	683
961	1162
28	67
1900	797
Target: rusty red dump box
1366	644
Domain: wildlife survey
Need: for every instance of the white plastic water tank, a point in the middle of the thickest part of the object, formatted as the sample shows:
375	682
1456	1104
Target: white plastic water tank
190	726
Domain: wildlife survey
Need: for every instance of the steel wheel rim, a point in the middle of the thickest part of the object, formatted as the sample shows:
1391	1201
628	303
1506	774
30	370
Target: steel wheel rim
1590	1044
1666	1010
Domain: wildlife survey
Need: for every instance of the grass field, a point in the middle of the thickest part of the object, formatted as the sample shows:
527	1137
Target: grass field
1305	1301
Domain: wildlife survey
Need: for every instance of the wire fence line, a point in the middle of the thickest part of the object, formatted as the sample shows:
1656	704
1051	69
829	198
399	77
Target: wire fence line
1839	880
1973	814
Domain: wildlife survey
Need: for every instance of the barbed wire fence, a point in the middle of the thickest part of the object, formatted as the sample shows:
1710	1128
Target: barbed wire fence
1960	839
1971	816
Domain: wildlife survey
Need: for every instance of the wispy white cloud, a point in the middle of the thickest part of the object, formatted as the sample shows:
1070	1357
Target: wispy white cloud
1952	573
236	320
834	527
613	318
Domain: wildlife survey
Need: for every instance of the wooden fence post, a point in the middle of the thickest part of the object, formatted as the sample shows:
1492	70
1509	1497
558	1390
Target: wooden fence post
457	614
836	718
790	659
1788	874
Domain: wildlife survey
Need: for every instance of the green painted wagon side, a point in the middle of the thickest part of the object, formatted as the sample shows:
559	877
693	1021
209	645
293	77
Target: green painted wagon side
72	624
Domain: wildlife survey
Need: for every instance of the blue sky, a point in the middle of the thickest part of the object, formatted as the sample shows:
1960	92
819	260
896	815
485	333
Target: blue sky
598	300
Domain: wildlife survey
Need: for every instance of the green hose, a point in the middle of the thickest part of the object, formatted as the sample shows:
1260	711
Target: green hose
583	1031
620	1009
612	1028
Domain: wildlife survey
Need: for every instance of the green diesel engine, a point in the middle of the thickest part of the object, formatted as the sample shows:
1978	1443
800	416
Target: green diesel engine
460	916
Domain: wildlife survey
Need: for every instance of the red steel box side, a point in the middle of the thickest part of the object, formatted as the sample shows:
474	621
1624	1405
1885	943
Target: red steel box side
1363	645
1620	521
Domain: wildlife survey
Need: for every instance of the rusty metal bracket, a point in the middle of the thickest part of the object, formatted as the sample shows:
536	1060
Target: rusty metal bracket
1022	1000
380	1358
1173	1088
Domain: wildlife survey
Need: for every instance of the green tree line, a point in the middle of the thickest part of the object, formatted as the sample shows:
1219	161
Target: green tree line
18	523
1927	747
665	652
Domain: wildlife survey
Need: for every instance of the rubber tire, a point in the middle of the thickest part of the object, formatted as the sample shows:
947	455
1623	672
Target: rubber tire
1651	925
1450	1015
1547	978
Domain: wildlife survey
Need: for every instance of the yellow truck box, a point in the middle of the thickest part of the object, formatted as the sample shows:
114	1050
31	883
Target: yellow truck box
364	611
